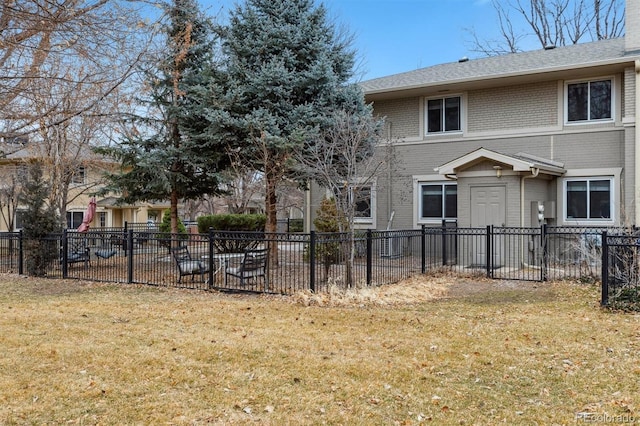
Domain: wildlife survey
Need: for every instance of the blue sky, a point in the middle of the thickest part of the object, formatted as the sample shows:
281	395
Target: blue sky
393	36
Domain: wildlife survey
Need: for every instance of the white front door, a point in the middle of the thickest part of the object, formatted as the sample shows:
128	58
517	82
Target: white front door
488	207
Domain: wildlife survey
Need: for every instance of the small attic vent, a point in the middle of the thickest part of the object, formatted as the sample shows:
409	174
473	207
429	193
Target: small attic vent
550	47
463	59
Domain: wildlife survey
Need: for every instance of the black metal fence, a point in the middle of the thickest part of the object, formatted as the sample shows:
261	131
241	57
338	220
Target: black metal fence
621	270
317	261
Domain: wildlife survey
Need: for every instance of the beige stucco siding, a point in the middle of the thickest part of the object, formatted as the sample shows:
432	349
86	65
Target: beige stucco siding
522	106
402	117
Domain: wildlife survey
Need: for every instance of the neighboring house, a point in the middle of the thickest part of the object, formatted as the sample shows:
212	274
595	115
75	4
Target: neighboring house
515	140
86	179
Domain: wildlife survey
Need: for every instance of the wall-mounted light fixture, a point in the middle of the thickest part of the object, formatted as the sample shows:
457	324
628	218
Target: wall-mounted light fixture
498	170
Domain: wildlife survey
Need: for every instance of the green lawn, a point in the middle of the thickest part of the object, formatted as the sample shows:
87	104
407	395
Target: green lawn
524	353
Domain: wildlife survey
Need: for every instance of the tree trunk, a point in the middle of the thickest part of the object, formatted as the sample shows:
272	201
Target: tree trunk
270	205
174	212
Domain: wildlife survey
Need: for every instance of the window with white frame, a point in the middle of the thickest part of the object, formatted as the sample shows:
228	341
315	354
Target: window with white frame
74	219
19	219
589	101
363	202
437	201
78	177
589	199
443	114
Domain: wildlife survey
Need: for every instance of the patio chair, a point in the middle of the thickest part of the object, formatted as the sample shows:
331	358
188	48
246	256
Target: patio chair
78	252
254	265
187	265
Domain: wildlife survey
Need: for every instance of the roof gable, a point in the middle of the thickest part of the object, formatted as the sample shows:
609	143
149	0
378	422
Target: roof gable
519	163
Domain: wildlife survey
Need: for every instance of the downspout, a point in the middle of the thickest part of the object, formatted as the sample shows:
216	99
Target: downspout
636	200
307	213
534	174
389	174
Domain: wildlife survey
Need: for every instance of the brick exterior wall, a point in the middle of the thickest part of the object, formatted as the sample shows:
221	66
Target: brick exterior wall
522	106
628	94
632	26
402	116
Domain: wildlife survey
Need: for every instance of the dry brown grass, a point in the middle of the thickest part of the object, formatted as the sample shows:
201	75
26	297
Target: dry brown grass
473	352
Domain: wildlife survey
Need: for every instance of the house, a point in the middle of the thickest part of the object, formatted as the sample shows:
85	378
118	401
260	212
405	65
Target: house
85	177
546	136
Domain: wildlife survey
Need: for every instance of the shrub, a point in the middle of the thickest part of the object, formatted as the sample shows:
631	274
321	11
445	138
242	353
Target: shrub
296	225
232	222
165	235
234	233
328	219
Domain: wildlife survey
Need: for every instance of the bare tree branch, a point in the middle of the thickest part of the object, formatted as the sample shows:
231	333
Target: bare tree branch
550	23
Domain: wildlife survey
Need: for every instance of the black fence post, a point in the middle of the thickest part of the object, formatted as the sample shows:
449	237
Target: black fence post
312	261
444	243
20	253
65	247
369	256
129	245
545	253
604	300
489	255
210	260
125	246
423	250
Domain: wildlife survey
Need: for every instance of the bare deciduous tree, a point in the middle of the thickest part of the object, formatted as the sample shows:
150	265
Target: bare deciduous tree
550	23
66	71
12	180
102	40
63	144
344	160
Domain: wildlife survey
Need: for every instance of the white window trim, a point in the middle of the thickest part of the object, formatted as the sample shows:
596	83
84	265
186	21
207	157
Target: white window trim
425	108
364	222
15	218
74	178
418	181
73	213
590	174
614	104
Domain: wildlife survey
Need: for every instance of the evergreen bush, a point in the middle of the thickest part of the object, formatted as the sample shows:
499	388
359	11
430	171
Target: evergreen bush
40	223
165	237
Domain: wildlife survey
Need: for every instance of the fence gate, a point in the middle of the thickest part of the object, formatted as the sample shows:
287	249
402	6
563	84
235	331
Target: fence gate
516	253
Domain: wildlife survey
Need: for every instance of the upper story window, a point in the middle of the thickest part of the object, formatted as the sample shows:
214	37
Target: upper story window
22	172
444	115
589	101
589	199
438	201
79	176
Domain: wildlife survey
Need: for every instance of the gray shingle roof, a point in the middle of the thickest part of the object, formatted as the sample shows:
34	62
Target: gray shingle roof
532	62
